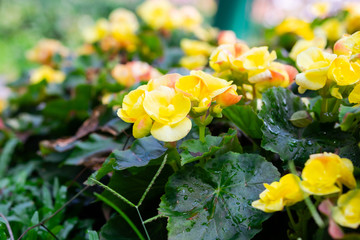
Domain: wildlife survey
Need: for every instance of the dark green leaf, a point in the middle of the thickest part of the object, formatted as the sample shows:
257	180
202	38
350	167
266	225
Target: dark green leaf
214	202
96	145
194	149
280	135
141	152
92	235
244	118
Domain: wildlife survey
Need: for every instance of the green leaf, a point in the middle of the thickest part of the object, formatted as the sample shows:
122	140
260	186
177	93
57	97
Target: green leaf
141	152
92	235
280	135
290	142
116	228
96	145
6	155
214	202
194	149
349	118
244	118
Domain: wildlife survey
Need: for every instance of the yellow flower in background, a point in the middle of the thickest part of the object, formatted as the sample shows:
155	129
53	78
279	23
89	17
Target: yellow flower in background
323	172
333	29
226	37
347	211
222	57
97	32
277	195
195	47
255	62
133	72
193	62
320	9
314	63
169	111
348	45
3	105
296	26
48	74
124	17
344	72
191	19
44	51
156	13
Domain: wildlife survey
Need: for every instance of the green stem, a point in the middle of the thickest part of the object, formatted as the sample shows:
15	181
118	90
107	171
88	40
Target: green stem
336	106
113	192
324	106
122	214
142	222
154	218
152	181
314	213
309	204
288	211
202	133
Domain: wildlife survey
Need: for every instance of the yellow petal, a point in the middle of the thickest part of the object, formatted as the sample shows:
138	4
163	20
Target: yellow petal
171	133
354	96
142	126
347	211
214	85
344	72
312	79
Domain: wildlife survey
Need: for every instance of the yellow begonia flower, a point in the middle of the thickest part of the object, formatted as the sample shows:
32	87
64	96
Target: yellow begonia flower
201	87
169	110
97	32
348	45
132	111
302	44
347	211
124	17
133	72
333	29
191	19
344	72
124	36
193	62
48	74
156	13
44	51
226	37
195	47
277	195
320	9
3	105
223	56
255	62
282	75
323	171
315	64
296	26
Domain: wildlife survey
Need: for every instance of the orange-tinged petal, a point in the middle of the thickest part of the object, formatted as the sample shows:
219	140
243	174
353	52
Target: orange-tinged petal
171	133
142	126
229	97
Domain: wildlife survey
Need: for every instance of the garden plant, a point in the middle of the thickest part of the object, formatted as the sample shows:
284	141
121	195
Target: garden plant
162	127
